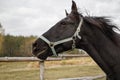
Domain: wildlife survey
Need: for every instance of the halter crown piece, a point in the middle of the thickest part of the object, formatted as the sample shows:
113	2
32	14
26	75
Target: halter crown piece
53	44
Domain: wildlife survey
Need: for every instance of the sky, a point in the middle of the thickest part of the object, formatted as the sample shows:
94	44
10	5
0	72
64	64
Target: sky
34	17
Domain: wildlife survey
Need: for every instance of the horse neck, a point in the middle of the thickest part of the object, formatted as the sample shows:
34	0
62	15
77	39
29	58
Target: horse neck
104	52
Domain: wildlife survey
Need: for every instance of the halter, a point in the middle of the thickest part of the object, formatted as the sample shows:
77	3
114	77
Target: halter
73	38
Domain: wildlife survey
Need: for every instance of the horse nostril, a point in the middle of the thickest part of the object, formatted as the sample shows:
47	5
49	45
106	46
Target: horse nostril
34	48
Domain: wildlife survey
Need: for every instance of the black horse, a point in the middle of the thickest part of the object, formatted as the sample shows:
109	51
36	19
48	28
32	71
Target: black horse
95	35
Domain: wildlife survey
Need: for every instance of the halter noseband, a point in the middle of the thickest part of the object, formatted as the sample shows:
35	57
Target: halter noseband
53	44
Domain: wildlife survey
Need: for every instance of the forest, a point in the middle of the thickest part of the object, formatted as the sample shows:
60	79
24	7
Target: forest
14	46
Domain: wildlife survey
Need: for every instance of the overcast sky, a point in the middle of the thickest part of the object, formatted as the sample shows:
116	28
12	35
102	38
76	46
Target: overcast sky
34	17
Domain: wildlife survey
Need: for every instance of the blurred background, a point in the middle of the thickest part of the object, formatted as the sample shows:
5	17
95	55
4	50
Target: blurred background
23	21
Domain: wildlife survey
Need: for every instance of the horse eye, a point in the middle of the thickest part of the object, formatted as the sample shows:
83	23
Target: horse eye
63	23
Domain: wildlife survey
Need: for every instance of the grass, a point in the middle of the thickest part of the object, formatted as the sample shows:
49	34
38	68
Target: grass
101	79
53	69
72	71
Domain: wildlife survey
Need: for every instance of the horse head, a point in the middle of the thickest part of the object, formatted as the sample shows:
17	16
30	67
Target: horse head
61	37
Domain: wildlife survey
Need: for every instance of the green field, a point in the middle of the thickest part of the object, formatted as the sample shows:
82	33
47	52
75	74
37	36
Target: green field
53	70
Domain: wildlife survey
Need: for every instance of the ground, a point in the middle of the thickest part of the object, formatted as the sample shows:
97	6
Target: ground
53	69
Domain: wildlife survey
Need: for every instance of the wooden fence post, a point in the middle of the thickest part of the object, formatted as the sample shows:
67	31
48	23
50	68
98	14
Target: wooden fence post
41	70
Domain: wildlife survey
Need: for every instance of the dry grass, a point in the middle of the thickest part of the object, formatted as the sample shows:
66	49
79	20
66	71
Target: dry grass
74	61
53	69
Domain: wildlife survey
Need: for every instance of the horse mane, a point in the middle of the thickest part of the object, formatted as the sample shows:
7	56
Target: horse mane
105	25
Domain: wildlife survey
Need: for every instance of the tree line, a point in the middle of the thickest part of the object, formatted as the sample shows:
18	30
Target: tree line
14	46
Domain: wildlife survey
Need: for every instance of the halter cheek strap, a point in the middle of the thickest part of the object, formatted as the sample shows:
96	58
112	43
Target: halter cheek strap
73	38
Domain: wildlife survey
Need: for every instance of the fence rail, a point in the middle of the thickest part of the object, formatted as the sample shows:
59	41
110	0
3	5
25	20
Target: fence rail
20	59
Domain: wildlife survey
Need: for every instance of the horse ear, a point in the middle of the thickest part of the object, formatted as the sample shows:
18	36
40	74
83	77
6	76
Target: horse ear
74	7
66	12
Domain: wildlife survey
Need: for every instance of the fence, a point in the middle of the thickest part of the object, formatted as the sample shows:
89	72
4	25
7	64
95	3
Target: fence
41	63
